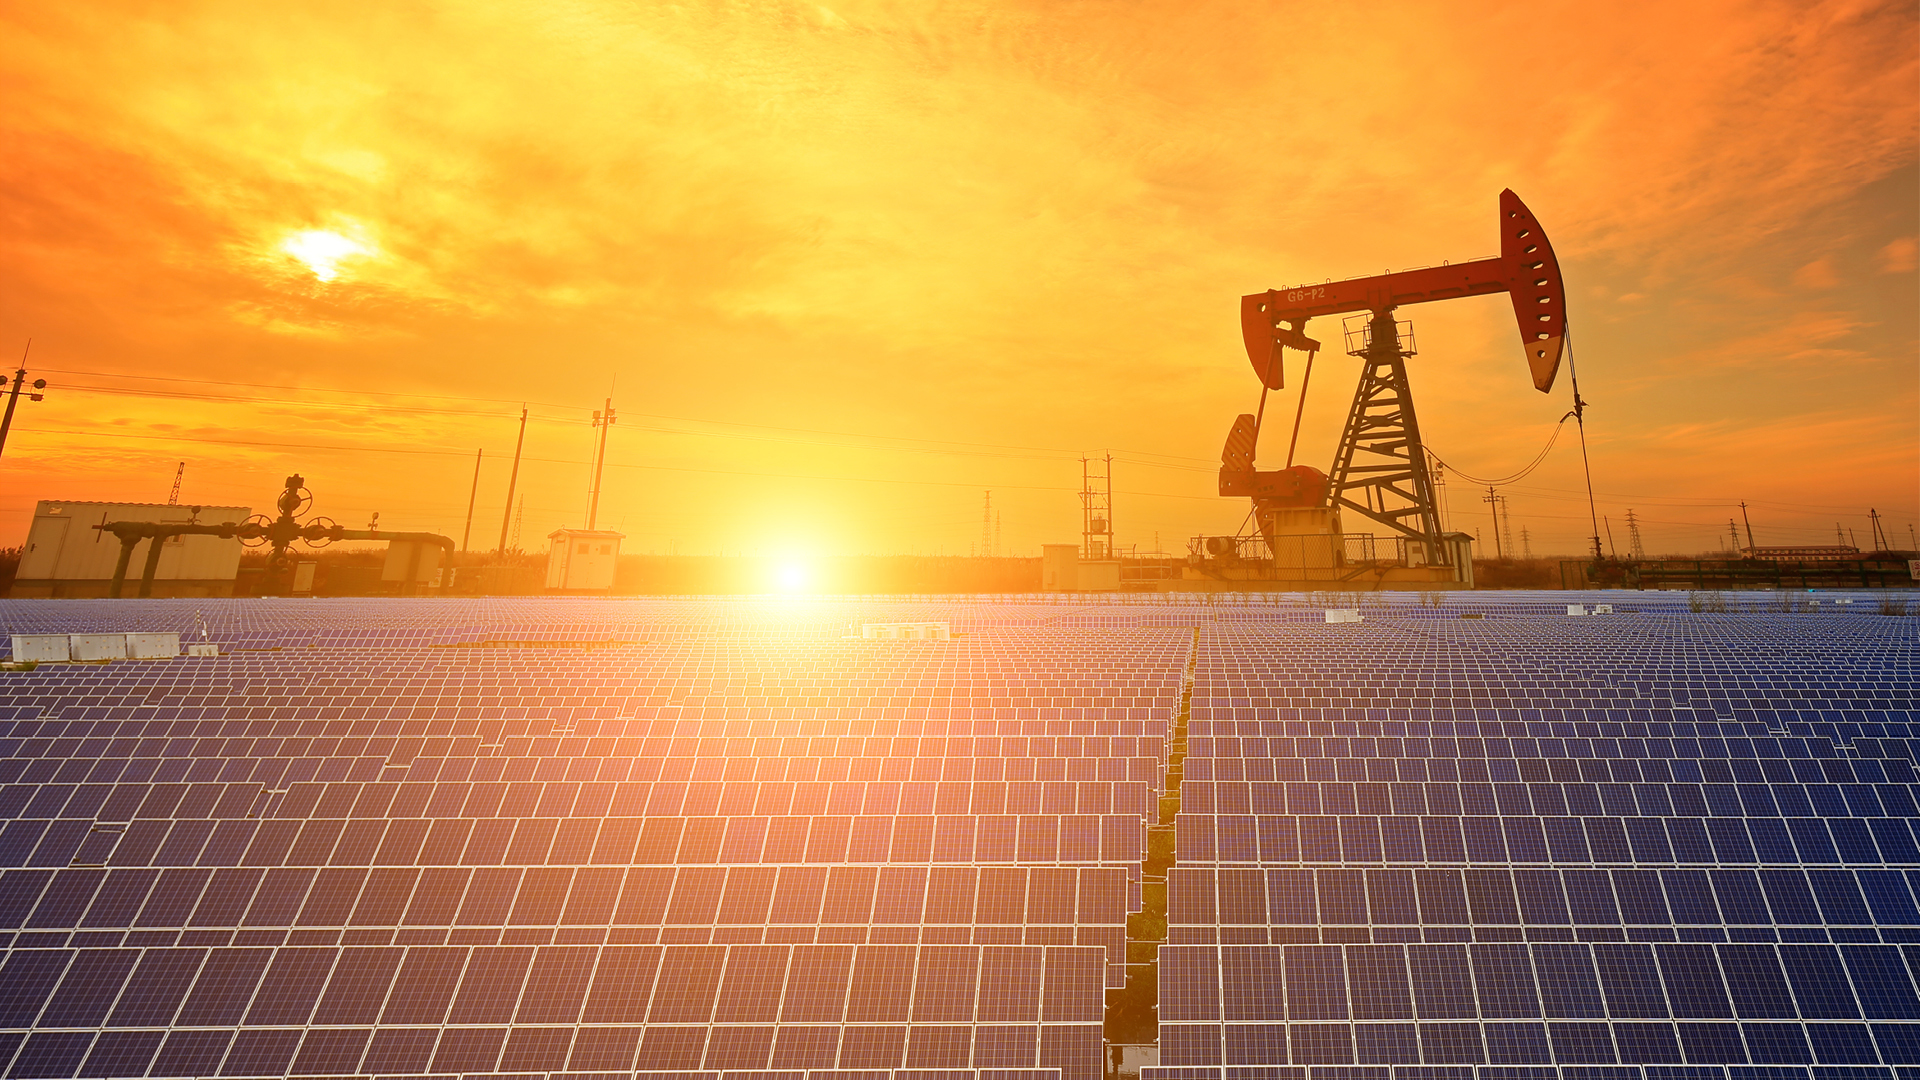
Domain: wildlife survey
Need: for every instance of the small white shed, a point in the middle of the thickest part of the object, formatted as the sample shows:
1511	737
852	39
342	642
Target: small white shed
582	560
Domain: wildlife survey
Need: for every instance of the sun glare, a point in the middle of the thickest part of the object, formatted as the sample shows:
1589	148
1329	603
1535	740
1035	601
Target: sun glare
792	576
322	250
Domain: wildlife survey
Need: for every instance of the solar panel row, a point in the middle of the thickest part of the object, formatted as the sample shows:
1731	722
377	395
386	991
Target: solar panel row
461	799
1555	897
1561	1043
784	897
804	757
1715	760
1031	838
1556	980
628	984
1277	839
1841	793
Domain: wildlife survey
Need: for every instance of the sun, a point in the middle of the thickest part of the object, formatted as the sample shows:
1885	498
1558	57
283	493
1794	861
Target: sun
791	575
322	250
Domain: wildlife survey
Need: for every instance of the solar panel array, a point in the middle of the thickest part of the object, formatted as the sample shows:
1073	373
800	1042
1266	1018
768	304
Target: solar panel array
693	837
1610	846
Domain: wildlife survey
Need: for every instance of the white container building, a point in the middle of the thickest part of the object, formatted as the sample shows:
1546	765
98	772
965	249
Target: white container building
66	557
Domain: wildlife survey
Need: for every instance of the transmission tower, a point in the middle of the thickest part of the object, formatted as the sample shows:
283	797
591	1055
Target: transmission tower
986	528
1506	523
1635	550
1733	536
1526	543
173	497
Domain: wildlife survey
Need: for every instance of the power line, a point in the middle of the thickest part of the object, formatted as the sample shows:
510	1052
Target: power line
1206	464
1523	473
1135	457
611	464
949	449
227	399
302	389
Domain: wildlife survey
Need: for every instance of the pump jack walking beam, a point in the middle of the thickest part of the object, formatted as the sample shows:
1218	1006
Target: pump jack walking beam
1525	268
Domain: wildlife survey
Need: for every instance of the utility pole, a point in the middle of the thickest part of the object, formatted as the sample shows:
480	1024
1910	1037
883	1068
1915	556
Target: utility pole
1096	510
1493	502
173	497
471	497
513	478
1439	474
1748	522
603	421
1086	512
13	397
1635	550
1880	541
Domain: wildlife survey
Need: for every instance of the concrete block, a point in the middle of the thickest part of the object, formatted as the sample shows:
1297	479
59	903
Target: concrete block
905	631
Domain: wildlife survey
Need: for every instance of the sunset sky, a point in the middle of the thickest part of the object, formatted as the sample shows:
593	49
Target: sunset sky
845	268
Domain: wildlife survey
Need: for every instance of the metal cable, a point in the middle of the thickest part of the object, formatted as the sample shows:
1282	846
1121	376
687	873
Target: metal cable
1538	459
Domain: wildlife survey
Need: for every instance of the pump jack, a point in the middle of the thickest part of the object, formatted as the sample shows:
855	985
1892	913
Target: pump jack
1380	470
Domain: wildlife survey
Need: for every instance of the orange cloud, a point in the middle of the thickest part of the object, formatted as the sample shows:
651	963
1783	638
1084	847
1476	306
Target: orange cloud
1818	274
1900	256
